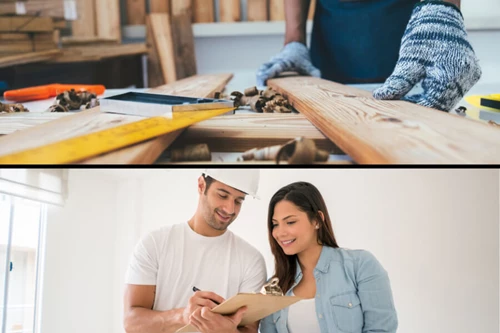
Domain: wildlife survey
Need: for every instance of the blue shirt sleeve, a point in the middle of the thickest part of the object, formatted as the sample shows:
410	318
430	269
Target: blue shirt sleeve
267	325
375	294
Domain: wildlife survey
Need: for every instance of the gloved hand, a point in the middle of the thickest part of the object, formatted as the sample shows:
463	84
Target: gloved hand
293	57
434	50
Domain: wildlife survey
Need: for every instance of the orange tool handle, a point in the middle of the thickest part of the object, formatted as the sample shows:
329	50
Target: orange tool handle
48	91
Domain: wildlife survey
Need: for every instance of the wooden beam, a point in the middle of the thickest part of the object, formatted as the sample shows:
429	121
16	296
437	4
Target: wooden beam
203	11
183	42
148	152
159	6
374	131
85	25
178	7
107	13
26	24
229	11
27	58
162	41
93	120
242	132
257	10
136	12
312	10
277	10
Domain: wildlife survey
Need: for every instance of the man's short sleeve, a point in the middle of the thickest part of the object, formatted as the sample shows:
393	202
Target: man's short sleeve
255	276
143	266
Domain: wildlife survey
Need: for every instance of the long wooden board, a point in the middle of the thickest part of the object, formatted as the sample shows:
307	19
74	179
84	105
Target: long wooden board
93	120
374	131
241	132
159	6
26	24
162	39
85	25
277	10
180	6
229	10
107	13
136	12
257	10
203	11
148	152
30	57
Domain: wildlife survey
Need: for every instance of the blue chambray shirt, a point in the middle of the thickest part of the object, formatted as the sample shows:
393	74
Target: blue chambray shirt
353	295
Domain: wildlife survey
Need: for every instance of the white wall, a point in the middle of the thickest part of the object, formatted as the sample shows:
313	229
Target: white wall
79	264
435	231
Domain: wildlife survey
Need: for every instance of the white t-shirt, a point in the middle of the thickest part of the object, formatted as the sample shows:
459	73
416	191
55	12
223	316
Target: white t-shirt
302	317
175	258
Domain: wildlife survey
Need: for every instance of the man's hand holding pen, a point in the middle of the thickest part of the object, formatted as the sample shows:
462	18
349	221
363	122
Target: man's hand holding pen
201	299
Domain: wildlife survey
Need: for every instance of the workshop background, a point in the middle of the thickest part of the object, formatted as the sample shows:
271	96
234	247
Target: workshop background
102	41
436	232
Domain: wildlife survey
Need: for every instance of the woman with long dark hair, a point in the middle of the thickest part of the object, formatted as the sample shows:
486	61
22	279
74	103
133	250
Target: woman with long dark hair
344	291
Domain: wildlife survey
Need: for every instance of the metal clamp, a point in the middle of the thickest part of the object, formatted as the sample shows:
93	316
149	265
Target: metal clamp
272	288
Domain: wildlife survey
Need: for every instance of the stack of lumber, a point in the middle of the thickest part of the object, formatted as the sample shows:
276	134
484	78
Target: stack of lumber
30	30
209	11
57	9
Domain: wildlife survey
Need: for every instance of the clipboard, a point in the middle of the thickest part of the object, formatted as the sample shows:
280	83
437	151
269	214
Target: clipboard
259	305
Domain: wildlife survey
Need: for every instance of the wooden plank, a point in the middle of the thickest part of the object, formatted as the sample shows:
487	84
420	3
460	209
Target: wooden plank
257	10
374	131
155	73
178	7
93	120
242	132
277	10
43	8
161	35
229	11
159	6
312	10
27	58
234	133
184	51
107	13
26	24
136	12
147	152
91	53
203	11
85	25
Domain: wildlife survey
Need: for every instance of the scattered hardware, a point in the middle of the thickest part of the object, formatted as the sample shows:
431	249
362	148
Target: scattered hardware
461	111
494	123
268	100
297	151
11	108
74	100
198	152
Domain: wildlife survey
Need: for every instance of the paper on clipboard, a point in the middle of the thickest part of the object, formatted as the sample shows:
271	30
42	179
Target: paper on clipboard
258	307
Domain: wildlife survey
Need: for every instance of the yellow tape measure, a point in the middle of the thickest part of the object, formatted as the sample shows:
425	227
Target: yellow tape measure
96	143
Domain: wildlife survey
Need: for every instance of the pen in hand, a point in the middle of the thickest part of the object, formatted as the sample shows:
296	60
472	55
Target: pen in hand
196	289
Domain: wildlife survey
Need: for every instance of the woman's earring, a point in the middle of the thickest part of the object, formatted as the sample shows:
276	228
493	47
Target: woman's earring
317	227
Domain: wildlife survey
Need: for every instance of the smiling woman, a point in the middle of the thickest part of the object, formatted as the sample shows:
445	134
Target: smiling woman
308	263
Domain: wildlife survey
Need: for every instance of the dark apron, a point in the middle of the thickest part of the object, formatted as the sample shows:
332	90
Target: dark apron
357	41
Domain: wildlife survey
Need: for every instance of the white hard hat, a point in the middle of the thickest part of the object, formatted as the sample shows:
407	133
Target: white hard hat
244	180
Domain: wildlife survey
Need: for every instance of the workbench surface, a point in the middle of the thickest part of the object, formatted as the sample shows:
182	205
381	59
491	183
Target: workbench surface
241	82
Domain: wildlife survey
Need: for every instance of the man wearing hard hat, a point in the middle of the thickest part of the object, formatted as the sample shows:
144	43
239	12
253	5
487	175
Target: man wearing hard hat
169	263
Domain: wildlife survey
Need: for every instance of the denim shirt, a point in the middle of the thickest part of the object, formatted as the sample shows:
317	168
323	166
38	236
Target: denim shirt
353	295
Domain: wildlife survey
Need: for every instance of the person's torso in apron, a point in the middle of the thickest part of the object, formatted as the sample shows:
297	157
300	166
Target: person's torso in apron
358	41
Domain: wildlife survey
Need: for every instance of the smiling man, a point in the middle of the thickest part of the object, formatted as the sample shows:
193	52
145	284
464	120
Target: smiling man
201	253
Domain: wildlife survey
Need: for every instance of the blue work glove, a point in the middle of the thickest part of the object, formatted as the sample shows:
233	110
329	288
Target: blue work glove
294	57
434	50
